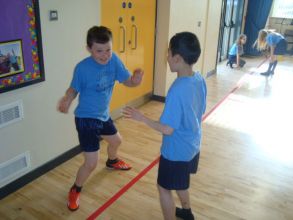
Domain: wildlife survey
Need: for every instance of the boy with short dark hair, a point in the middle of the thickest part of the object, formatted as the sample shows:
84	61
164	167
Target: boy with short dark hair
94	79
180	124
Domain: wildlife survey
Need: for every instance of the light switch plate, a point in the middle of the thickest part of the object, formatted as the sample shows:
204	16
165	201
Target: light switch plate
53	15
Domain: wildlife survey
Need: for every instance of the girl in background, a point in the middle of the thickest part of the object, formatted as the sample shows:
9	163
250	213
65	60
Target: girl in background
275	43
236	51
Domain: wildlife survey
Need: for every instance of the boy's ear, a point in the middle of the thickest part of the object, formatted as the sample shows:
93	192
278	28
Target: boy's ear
177	58
88	49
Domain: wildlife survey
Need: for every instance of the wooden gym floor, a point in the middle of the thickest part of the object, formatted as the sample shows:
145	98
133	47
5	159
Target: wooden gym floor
245	170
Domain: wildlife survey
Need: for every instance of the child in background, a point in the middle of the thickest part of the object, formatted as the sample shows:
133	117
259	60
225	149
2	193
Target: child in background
276	44
180	124
236	51
93	79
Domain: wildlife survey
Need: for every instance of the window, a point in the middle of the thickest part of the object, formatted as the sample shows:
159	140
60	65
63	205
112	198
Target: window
283	9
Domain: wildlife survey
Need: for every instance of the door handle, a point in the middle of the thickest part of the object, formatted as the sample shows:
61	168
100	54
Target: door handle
123	32
133	37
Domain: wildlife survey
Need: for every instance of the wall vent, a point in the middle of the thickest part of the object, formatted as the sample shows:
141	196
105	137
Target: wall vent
14	168
11	113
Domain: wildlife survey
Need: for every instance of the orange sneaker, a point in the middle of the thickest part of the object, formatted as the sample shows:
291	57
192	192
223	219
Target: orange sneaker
119	165
73	200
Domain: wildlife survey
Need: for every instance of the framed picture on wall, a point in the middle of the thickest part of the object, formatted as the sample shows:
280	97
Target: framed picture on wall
21	58
11	58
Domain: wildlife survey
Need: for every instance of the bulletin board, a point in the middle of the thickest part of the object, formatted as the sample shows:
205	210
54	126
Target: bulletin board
21	58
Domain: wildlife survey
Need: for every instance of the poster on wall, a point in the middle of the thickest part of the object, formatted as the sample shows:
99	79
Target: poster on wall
21	59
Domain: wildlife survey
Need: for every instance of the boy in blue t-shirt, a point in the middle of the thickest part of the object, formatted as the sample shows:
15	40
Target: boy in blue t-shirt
180	124
94	79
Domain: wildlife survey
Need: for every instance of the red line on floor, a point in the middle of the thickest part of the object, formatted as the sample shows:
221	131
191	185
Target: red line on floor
219	103
149	167
123	190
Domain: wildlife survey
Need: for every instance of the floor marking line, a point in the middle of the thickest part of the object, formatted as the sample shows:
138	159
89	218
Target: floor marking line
122	190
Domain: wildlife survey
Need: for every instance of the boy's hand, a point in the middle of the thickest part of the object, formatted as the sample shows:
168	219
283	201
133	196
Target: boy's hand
63	105
65	102
129	112
136	78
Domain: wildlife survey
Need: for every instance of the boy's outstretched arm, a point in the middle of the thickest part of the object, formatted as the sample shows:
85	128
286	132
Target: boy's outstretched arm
129	112
135	79
65	102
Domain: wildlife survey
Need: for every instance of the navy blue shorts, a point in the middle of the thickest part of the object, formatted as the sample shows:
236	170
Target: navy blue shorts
175	175
281	47
232	59
90	131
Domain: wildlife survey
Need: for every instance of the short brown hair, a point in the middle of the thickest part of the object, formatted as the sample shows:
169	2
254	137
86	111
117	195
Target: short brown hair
98	34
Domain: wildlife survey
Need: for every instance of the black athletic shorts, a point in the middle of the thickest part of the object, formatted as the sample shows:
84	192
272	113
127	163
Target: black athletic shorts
175	175
90	131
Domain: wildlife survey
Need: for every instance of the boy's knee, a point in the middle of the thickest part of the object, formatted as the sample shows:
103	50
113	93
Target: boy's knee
118	140
115	140
91	165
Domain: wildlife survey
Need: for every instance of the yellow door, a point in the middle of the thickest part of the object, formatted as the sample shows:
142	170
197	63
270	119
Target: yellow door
141	38
133	26
114	17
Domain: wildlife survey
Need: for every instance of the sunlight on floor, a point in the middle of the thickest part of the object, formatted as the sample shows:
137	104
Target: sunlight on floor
261	108
266	124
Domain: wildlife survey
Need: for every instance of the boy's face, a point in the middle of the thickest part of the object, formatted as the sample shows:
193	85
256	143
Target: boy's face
101	53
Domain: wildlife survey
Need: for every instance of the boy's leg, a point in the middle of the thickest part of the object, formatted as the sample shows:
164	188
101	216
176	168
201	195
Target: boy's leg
113	161
183	194
114	142
90	163
184	198
88	135
185	211
167	203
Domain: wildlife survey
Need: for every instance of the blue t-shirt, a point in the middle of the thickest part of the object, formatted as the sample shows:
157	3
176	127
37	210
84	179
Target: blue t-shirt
94	82
273	39
236	49
184	107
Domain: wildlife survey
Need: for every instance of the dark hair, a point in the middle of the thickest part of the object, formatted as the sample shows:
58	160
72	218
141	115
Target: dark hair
98	34
187	45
